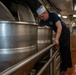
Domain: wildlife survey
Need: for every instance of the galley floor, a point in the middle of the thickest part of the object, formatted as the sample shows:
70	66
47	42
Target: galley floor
72	71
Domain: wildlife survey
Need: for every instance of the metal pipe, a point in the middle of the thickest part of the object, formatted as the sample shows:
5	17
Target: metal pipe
24	62
48	62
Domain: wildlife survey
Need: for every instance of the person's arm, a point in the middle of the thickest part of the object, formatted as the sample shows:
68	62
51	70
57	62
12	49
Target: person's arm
59	30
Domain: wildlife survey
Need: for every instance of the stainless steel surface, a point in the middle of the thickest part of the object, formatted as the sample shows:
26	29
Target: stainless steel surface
5	14
25	14
48	62
44	36
18	40
51	64
24	62
43	39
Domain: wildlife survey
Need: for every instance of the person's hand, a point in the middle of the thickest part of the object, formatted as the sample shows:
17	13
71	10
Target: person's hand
56	42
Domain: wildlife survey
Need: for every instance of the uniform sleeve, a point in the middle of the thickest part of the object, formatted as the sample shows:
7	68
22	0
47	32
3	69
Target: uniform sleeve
55	17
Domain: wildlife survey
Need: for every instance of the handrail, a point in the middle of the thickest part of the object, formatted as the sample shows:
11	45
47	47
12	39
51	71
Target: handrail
15	67
48	62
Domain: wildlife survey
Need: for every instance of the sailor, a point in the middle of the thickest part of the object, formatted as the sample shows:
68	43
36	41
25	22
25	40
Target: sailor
62	37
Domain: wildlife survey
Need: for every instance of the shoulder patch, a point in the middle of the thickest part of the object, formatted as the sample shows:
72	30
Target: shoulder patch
51	23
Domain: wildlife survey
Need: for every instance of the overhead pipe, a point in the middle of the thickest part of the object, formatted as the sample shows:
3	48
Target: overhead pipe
53	5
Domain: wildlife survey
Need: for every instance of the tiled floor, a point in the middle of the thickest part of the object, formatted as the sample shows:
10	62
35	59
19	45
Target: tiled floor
72	71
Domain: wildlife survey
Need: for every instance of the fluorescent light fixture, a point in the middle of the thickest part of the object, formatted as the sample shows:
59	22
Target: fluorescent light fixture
59	15
64	16
74	15
75	7
74	4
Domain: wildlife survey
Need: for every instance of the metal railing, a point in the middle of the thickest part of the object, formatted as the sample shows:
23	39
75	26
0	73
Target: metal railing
48	62
17	66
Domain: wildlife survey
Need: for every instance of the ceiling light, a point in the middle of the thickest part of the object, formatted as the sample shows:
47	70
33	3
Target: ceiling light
64	16
75	7
74	4
74	15
59	15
